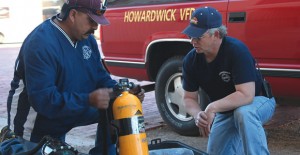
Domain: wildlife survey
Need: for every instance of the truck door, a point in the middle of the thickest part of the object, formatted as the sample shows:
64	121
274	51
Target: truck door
271	29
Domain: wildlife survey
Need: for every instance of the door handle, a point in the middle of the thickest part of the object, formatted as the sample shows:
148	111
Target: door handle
237	17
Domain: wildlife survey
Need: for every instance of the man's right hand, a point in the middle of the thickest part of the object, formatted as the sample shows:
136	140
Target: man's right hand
100	98
202	123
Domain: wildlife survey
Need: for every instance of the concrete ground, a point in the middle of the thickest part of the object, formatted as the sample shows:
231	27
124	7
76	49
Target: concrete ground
284	128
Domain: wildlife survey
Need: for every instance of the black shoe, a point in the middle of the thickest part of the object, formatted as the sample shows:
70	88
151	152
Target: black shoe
6	134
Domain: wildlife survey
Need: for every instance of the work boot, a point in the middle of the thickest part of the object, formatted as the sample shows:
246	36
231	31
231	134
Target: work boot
6	134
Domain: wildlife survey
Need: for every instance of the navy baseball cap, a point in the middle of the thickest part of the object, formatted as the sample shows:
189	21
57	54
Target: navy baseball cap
95	9
203	19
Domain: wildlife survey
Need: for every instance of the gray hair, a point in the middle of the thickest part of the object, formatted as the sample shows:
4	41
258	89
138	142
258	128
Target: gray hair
222	30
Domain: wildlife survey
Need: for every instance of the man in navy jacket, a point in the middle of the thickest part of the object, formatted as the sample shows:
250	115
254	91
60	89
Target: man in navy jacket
59	81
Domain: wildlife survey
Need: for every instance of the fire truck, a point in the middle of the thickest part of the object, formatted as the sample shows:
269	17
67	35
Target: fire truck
144	41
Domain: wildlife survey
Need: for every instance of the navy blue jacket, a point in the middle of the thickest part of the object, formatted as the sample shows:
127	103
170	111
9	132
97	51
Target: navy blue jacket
52	80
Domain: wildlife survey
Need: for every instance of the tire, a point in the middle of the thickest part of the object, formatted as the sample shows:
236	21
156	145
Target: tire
169	93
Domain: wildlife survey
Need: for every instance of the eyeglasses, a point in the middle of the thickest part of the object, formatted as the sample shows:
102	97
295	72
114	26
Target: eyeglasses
199	38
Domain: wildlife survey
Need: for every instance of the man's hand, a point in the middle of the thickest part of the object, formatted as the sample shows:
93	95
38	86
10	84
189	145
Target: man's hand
204	121
138	91
100	98
141	95
201	120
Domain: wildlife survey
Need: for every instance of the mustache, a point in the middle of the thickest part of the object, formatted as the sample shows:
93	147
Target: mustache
90	32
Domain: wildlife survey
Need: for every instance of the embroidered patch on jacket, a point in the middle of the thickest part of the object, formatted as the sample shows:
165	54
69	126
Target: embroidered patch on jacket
225	76
86	51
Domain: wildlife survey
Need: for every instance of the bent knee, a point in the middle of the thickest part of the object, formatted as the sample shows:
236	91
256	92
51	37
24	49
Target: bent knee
243	114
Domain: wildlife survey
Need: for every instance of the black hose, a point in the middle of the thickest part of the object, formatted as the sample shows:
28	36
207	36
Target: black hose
37	148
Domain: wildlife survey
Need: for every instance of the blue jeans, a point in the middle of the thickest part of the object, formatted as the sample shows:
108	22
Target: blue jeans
242	132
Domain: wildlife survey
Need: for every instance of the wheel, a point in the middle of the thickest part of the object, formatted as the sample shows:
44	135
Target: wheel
169	93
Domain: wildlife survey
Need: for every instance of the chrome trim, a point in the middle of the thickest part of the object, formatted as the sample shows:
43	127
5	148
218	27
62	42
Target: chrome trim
128	62
271	72
280	69
263	69
281	72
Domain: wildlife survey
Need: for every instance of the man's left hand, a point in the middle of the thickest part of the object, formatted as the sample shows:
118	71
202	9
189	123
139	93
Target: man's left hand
141	95
139	92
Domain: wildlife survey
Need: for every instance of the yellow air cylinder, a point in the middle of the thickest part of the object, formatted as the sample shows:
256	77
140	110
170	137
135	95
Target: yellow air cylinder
127	111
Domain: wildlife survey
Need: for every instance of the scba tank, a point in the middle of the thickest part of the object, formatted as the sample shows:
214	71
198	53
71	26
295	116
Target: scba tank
128	114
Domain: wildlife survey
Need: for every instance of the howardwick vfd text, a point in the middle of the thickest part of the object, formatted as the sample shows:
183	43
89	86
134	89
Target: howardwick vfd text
158	15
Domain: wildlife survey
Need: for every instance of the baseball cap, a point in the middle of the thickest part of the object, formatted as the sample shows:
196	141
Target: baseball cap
201	20
94	9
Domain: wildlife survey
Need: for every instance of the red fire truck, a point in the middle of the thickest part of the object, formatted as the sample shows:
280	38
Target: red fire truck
144	42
